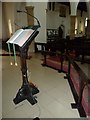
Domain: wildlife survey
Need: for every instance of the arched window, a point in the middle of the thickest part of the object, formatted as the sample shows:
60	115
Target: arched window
76	22
86	22
10	27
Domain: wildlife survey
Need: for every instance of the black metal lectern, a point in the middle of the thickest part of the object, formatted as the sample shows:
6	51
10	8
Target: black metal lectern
27	90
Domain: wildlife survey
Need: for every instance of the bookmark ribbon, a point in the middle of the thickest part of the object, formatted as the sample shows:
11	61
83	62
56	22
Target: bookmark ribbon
10	54
14	55
15	61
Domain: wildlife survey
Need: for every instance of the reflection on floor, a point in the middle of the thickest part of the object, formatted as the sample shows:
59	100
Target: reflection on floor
54	99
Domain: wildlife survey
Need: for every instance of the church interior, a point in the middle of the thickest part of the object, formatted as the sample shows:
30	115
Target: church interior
48	76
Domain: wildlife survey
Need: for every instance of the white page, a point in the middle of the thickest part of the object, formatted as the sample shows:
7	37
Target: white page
15	35
23	37
20	36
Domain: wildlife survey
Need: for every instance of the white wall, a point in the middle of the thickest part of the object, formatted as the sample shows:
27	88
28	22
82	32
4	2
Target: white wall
10	15
54	20
40	13
8	20
47	20
0	63
4	24
20	18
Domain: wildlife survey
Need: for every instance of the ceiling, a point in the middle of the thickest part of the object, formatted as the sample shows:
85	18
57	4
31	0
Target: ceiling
81	6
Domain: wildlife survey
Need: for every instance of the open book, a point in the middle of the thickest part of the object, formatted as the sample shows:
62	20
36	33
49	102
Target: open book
20	36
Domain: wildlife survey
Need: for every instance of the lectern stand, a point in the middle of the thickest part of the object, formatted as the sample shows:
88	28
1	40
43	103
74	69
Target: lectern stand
27	90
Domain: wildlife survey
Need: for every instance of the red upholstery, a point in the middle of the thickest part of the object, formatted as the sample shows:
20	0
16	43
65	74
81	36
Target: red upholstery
86	100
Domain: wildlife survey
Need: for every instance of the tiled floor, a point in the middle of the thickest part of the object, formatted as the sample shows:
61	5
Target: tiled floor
54	98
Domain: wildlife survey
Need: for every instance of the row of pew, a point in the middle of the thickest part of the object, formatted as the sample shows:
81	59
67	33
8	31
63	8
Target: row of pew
80	46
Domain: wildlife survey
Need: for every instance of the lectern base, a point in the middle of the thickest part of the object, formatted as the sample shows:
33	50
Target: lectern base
26	92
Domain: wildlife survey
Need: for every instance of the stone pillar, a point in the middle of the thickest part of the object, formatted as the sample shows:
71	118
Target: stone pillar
73	6
88	21
88	28
72	26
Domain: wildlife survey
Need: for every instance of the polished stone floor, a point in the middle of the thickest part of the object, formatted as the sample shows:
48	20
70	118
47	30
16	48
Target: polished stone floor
55	96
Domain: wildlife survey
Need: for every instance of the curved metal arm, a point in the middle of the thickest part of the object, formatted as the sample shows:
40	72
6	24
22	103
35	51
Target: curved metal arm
31	16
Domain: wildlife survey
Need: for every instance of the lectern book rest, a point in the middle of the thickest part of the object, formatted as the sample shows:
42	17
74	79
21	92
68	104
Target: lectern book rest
20	36
23	38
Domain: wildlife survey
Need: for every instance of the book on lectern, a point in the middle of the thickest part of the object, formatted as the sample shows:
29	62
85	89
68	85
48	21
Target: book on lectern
20	36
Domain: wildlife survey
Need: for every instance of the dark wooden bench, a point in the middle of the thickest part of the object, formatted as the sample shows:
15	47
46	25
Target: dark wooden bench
74	74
